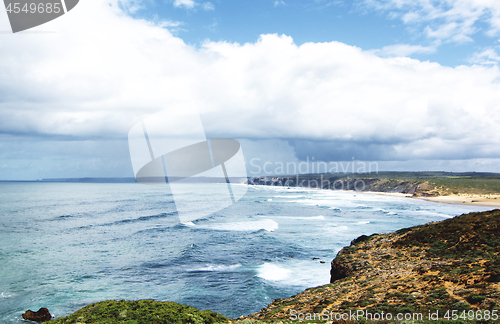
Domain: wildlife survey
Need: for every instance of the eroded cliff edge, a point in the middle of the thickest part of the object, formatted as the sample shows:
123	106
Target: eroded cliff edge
449	265
452	264
416	184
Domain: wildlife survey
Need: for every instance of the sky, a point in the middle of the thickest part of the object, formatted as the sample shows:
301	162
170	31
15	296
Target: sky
410	85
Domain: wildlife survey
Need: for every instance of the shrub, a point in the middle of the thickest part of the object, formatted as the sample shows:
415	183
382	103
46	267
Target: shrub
475	299
141	311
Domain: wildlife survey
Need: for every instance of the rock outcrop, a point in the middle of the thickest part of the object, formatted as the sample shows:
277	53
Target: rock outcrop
432	268
42	315
417	188
448	265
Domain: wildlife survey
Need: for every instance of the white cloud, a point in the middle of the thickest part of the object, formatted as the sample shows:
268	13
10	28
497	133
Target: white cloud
97	81
131	6
278	3
447	20
188	4
208	6
169	23
173	26
487	56
213	26
191	4
404	50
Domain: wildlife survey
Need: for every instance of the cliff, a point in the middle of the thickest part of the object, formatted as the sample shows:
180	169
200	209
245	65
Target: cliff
448	265
418	184
436	268
348	183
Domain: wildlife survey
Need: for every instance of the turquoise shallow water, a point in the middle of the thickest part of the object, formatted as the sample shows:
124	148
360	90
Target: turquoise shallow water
65	245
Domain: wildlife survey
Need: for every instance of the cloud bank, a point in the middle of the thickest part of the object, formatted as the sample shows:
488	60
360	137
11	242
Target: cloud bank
94	81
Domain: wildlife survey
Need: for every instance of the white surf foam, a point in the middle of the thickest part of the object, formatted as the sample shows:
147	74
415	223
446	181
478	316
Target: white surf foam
250	226
362	222
430	213
304	273
315	202
2	295
272	272
289	196
309	273
320	217
335	229
219	267
330	203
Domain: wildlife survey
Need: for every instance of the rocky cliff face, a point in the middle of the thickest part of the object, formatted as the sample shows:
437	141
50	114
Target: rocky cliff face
448	265
418	188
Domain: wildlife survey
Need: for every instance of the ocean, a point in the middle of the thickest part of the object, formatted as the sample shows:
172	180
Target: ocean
66	245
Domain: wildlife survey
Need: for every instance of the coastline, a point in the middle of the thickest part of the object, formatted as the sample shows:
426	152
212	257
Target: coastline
390	276
476	200
333	232
489	200
406	272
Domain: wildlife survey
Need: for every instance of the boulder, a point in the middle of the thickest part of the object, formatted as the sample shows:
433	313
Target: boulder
42	315
339	269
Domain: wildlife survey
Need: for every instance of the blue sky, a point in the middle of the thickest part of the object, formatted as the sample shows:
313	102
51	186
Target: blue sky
409	84
370	25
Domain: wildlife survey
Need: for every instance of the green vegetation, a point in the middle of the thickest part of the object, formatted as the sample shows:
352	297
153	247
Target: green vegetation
449	265
471	236
452	265
141	312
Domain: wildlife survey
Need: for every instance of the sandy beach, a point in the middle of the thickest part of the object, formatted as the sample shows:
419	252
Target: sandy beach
480	200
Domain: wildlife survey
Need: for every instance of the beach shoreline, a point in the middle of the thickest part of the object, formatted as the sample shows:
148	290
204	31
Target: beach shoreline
476	200
474	189
466	199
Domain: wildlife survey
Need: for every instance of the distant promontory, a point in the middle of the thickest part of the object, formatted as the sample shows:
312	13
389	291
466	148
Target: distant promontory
479	188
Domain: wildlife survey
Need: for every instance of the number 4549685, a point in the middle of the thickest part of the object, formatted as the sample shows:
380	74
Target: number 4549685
471	315
34	8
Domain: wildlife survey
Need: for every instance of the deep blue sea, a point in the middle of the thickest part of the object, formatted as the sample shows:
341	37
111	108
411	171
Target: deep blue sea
66	245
